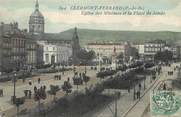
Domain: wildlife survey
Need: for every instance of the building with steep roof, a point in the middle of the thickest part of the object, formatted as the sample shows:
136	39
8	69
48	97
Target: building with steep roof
57	47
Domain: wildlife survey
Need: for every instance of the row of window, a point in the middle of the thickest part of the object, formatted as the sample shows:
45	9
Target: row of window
154	45
153	49
18	42
106	48
57	57
31	46
57	49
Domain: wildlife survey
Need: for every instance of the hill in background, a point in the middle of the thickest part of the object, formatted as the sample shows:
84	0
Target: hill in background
89	35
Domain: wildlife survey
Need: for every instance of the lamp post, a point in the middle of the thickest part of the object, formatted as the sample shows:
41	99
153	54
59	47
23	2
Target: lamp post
14	82
116	107
134	91
63	69
144	82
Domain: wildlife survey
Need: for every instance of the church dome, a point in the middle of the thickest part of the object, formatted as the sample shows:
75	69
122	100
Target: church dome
37	13
36	17
36	21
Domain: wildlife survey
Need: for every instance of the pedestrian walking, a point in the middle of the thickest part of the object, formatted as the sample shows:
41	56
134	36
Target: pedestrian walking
80	75
134	94
1	92
35	89
55	77
39	80
164	86
59	77
26	93
140	86
44	87
68	79
128	90
29	94
139	95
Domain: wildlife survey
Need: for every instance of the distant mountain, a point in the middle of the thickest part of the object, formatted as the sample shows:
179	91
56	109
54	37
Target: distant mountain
89	35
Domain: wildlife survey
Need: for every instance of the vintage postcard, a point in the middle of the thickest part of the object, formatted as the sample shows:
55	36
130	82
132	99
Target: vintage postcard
90	58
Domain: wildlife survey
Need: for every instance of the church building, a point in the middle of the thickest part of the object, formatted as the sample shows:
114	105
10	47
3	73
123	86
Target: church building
57	47
36	21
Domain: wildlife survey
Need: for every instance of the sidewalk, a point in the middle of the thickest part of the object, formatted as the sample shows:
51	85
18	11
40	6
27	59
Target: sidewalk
124	103
139	108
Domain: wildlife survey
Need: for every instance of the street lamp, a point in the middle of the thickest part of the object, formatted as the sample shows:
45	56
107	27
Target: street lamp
115	112
14	82
134	91
63	69
144	82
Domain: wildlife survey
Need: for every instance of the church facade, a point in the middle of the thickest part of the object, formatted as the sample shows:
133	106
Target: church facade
57	47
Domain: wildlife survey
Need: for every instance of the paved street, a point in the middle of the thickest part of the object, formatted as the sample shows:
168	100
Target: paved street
47	80
127	107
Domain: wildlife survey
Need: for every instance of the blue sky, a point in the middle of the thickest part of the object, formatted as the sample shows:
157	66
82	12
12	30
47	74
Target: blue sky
57	20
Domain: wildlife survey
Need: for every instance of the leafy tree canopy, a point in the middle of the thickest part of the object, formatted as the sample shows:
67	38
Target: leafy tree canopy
164	56
86	55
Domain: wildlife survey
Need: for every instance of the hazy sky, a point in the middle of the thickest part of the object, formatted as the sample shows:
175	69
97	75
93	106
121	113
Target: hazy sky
57	20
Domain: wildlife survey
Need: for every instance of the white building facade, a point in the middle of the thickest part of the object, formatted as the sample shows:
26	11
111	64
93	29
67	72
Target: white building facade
149	49
54	53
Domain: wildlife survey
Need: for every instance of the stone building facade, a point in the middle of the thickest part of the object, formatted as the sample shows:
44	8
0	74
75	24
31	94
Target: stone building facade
34	52
13	52
20	49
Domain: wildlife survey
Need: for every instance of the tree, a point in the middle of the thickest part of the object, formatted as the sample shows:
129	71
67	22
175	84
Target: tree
77	81
120	56
85	55
91	55
67	87
164	56
137	56
53	90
